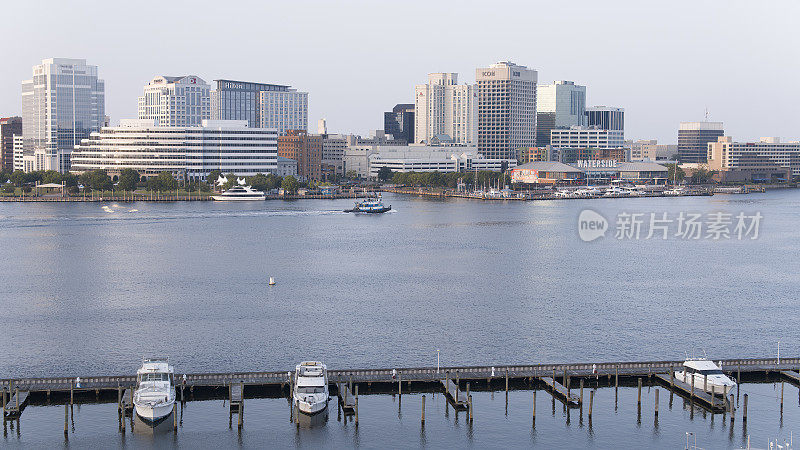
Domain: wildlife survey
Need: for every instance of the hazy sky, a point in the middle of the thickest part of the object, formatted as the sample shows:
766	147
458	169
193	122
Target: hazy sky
663	62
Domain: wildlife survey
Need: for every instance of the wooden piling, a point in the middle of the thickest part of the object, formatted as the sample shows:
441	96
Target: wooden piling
3	392
591	402
744	409
692	395
534	405
71	397
781	396
297	412
175	417
616	377
469	398
733	410
119	399
506	379
581	384
738	381
423	409
639	398
356	408
241	413
671	377
467	389
66	419
16	395
399	383
705	382
656	406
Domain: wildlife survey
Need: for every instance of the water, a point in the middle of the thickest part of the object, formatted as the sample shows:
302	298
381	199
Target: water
86	290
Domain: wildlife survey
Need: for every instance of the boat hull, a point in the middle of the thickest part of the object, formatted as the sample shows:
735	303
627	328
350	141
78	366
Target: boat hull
154	414
721	390
371	211
311	408
221	198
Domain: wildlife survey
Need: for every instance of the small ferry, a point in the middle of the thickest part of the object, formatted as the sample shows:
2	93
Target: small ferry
154	396
311	387
706	375
240	193
370	206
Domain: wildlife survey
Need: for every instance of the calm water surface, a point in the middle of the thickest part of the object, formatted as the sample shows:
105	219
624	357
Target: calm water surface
85	291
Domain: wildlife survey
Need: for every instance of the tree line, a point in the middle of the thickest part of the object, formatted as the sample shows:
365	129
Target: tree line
448	179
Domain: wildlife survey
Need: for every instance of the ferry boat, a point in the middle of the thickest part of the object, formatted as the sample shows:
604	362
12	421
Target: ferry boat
154	397
311	387
370	206
239	193
707	374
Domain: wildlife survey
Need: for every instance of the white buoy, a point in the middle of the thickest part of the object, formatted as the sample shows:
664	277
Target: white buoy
271	281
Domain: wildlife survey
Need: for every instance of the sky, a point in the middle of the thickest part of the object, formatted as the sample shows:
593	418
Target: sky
664	62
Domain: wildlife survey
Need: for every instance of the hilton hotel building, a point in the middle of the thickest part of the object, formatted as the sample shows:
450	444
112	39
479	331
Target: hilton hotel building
506	109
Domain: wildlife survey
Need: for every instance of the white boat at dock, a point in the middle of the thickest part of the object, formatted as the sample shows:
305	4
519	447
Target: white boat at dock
706	375
154	397
239	193
311	387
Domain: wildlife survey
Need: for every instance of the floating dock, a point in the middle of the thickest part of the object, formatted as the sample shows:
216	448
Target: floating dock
347	400
560	392
698	396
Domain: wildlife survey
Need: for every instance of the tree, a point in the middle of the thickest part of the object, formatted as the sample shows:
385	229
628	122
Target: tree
211	179
384	174
167	182
51	176
128	179
290	184
231	181
18	178
99	180
671	173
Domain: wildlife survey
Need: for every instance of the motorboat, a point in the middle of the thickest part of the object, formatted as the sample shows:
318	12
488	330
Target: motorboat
614	191
563	194
154	397
676	191
706	375
240	193
311	387
370	206
588	192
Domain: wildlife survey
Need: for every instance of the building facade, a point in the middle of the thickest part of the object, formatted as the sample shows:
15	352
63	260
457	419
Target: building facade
651	150
759	158
284	110
240	100
443	107
61	105
561	104
506	96
9	127
693	139
176	101
399	122
585	137
286	167
187	152
422	158
19	154
304	148
605	117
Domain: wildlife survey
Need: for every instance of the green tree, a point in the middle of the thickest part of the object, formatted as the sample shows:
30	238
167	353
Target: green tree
128	179
211	179
290	184
671	173
17	177
69	179
167	182
231	181
99	180
153	184
384	174
4	175
51	176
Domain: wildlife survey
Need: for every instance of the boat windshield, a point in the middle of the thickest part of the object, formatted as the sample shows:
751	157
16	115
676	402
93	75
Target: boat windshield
310	389
154	377
711	372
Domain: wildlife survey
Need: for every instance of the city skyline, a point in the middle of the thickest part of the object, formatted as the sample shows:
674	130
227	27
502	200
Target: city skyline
650	63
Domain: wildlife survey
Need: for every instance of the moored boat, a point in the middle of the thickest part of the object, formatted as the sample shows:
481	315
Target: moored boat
706	375
154	397
311	387
240	193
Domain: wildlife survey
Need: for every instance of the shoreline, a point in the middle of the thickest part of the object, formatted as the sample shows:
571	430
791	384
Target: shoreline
168	198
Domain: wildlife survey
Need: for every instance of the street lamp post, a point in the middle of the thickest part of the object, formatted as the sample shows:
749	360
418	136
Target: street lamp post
437	360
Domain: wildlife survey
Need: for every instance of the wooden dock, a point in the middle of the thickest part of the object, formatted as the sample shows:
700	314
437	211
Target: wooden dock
16	404
347	400
236	396
698	396
560	392
792	376
457	398
125	404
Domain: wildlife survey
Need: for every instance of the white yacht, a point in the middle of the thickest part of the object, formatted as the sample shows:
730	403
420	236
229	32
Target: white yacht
311	387
154	397
588	191
240	193
561	193
675	191
707	374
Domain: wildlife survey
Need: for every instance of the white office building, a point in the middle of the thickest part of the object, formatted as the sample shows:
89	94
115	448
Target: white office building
506	109
176	101
586	137
560	104
284	110
443	107
19	155
63	103
725	154
189	152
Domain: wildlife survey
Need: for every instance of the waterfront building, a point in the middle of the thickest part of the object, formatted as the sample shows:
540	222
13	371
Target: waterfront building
19	154
585	137
443	107
693	139
575	155
763	161
284	110
399	122
560	104
187	152
506	95
333	150
605	117
286	167
531	154
555	172
240	100
176	101
61	105
304	148
9	127
650	150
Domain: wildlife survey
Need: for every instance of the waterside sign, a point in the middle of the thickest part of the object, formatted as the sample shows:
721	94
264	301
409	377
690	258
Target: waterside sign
597	163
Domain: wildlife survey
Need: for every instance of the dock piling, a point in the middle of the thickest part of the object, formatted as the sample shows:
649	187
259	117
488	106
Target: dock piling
423	409
692	395
470	416
705	382
399	383
744	409
616	377
175	418
356	408
534	405
66	419
656	402
581	385
506	380
71	397
671	377
639	398
782	383
297	412
591	403
733	410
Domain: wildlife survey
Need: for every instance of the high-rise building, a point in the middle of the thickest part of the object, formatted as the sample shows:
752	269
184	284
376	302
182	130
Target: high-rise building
187	151
759	159
304	148
443	107
62	104
399	122
176	101
561	104
19	153
586	137
693	139
605	117
240	100
284	110
9	127
506	109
